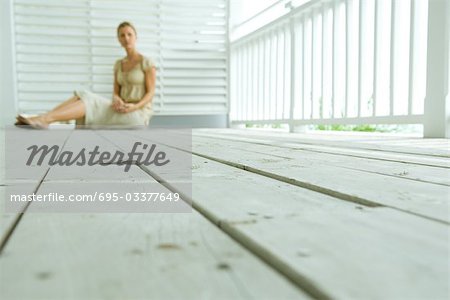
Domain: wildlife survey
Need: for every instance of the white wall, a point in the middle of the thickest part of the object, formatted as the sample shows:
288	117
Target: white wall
71	46
7	82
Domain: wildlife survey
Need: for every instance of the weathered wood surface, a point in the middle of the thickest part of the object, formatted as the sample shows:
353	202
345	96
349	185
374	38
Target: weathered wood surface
132	256
348	149
20	178
363	140
309	243
5	218
438	174
129	256
329	247
368	188
344	250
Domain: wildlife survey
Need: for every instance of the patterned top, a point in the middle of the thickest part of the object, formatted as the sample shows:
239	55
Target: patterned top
132	83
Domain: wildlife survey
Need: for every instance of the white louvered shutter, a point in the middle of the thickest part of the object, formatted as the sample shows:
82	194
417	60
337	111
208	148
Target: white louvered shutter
62	46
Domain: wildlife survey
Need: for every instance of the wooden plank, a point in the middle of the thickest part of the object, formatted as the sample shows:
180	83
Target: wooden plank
364	141
425	199
368	145
330	248
386	165
9	219
132	256
17	178
97	180
19	139
5	219
128	255
323	236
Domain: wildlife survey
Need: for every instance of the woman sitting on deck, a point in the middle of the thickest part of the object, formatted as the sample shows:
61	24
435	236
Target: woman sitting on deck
134	87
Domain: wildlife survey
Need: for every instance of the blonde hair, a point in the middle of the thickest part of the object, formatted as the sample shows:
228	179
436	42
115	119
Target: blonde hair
125	24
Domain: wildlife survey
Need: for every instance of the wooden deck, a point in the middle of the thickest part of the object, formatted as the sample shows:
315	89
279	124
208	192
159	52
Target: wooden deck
275	216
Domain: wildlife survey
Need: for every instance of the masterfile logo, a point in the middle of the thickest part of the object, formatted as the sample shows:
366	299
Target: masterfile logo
98	170
95	157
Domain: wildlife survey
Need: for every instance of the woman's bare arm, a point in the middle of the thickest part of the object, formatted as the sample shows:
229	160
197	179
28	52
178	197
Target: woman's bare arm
117	101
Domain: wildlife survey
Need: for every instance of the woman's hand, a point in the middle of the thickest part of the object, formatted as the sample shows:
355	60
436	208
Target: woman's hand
121	106
128	107
117	104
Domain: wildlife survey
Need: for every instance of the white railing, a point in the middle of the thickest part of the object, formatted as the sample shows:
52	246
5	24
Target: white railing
345	62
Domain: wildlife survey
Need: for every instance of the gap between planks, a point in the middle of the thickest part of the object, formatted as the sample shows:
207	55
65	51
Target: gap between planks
256	247
15	220
331	192
300	281
338	150
334	140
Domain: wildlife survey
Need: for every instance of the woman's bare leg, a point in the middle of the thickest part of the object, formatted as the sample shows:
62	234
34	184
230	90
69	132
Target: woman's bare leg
69	111
68	101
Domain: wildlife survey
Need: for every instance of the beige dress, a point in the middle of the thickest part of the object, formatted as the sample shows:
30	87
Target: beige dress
132	89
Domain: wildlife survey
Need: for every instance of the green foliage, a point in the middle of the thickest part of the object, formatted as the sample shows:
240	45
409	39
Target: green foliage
274	126
366	128
339	127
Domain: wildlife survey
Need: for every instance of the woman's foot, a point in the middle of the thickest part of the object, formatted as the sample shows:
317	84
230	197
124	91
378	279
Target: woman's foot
18	122
38	122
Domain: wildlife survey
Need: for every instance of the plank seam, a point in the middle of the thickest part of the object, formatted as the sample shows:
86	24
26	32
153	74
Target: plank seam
329	192
393	175
19	216
293	181
299	280
355	169
294	147
315	188
330	144
12	228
